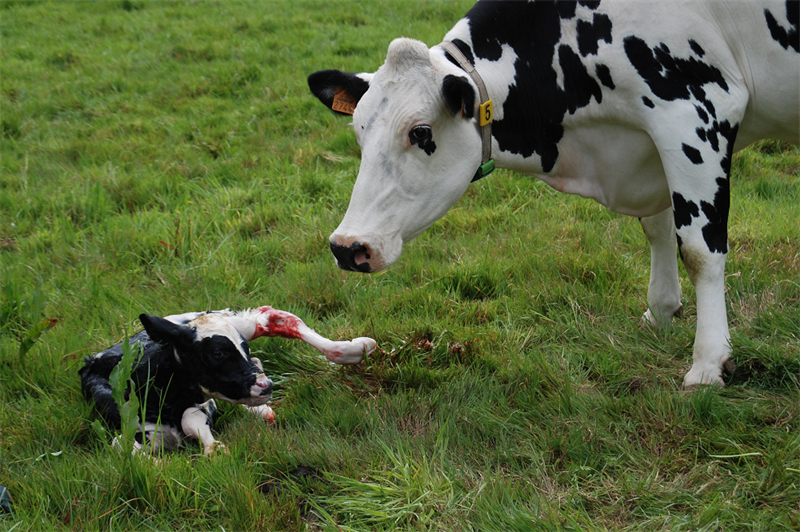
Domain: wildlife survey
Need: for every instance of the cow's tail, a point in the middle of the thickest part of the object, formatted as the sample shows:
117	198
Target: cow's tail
94	382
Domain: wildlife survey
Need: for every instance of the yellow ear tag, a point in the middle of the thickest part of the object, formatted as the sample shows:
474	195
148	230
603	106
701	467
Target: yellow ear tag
486	113
343	102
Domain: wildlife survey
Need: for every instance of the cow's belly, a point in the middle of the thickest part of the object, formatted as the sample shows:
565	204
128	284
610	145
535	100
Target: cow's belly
610	163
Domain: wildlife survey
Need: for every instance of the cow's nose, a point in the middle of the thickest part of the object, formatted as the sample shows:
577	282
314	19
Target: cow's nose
353	257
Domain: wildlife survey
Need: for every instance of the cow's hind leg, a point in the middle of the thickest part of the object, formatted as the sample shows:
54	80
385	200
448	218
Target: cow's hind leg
664	293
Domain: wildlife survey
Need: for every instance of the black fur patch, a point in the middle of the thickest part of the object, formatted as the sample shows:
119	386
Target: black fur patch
672	78
604	75
648	102
684	210
590	34
715	232
533	30
693	154
786	37
696	48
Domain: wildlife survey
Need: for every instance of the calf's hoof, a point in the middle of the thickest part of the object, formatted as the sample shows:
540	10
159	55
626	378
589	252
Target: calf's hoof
214	448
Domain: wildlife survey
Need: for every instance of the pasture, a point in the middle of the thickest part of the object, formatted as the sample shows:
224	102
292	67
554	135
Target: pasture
165	157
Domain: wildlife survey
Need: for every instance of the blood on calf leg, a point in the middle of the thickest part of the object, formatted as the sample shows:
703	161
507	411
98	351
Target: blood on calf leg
273	322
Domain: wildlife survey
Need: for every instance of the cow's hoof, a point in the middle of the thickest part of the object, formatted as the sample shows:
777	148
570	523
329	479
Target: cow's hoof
698	379
729	366
650	320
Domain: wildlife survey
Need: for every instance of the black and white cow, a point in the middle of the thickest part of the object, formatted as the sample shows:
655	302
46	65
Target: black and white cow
189	360
637	105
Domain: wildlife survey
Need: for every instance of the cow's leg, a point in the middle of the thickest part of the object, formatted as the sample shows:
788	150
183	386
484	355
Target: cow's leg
664	293
698	178
197	421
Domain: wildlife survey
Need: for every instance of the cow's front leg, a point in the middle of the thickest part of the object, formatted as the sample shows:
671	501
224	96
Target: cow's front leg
664	292
197	421
701	202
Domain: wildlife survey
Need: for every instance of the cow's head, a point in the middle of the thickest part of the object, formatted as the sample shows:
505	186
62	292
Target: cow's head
420	147
213	354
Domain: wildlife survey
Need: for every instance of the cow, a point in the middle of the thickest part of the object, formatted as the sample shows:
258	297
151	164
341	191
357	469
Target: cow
189	360
637	105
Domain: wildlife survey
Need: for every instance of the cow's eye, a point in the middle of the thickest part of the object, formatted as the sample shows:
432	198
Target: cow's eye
217	355
419	134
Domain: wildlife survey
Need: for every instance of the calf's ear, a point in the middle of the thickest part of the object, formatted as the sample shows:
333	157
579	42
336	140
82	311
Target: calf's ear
459	96
165	332
340	91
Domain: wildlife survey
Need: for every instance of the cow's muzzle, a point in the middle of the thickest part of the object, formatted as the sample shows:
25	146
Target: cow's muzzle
354	258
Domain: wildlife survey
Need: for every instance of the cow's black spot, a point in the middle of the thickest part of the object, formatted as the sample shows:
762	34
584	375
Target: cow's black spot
579	84
729	132
648	102
590	34
669	77
533	30
604	75
712	134
786	37
591	4
683	210
693	154
696	48
701	113
566	10
715	232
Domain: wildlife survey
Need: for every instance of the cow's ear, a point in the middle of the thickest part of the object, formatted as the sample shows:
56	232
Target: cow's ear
340	91
165	332
459	96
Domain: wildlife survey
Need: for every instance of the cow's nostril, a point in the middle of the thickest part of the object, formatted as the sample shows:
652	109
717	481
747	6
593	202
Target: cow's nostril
353	257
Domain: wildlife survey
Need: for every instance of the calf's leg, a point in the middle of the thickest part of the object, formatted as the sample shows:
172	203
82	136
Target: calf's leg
197	422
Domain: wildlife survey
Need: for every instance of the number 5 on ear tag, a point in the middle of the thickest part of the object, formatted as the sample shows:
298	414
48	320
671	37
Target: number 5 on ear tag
486	113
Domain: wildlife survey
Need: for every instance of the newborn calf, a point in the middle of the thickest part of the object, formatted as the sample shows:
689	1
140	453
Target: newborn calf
188	360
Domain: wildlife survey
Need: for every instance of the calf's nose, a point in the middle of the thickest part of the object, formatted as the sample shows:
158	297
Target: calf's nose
353	258
262	381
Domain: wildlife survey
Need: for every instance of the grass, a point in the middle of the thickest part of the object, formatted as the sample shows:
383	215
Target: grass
162	157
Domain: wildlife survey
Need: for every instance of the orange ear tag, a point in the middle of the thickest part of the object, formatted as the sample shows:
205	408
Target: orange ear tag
343	102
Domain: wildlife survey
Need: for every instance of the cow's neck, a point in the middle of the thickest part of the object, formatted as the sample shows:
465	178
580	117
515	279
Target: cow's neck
530	102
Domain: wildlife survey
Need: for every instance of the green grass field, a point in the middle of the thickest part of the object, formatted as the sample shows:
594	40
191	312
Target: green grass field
164	157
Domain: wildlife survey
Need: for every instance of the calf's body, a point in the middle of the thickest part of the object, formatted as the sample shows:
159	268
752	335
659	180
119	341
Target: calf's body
189	360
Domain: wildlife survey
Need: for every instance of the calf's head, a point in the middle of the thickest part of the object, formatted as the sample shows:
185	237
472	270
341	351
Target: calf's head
420	147
213	354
